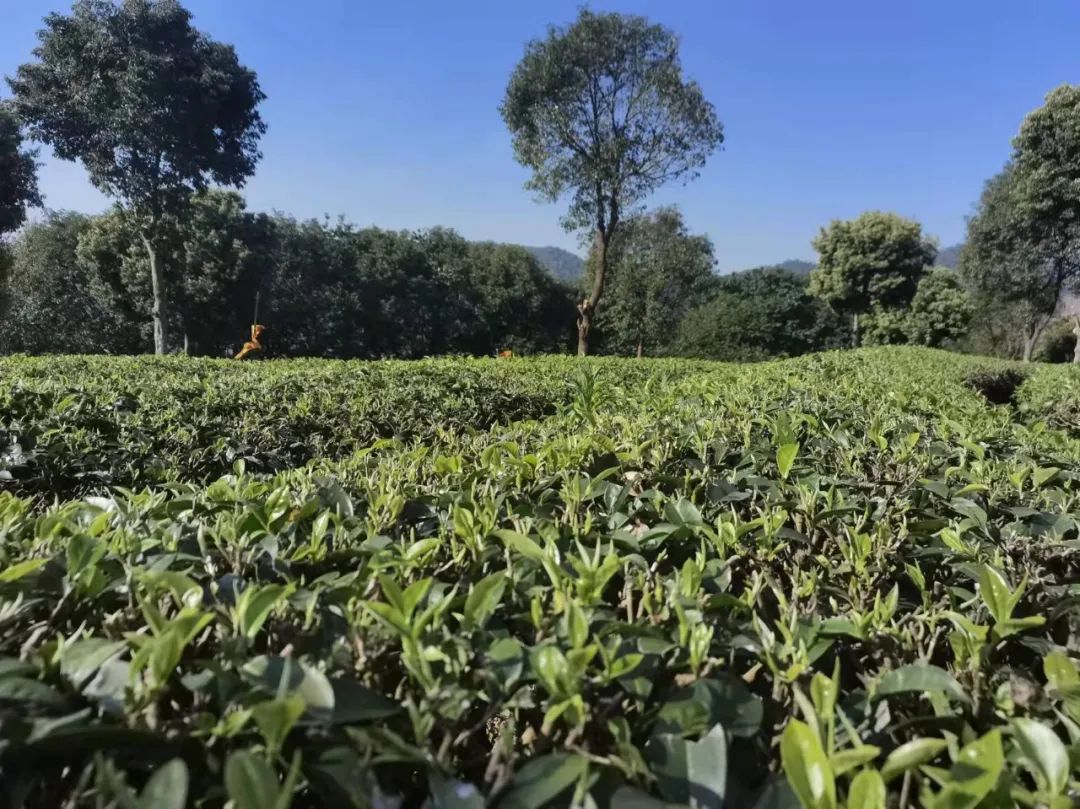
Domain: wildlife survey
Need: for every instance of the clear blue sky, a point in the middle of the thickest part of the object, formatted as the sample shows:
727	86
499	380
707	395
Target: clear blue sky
386	112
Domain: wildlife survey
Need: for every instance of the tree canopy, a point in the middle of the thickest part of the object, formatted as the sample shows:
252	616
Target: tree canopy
758	314
211	242
658	271
153	108
600	110
941	309
52	302
874	260
18	174
1009	260
1024	240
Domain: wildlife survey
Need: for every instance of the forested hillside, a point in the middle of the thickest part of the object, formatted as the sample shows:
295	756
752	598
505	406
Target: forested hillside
563	264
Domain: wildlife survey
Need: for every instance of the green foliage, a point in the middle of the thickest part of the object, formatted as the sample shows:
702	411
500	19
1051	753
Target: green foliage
826	581
1046	153
873	261
76	284
1058	342
940	311
657	273
50	301
215	248
1014	280
519	306
884	327
1024	241
758	314
79	423
18	174
938	316
153	108
998	327
342	292
599	109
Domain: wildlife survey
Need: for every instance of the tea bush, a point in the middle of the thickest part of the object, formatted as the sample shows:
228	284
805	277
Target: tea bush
845	580
71	425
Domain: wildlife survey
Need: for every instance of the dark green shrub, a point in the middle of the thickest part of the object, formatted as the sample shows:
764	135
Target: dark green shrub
998	386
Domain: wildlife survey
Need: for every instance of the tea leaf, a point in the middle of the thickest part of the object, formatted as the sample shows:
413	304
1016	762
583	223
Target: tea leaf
806	767
867	791
543	779
688	772
785	458
1045	753
920	677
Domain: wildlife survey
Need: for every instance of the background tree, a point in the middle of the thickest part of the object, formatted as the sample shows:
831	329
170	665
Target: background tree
18	174
1058	343
997	327
51	302
875	260
1011	263
152	107
940	311
1024	240
657	272
600	109
219	264
759	314
315	306
884	327
213	245
521	307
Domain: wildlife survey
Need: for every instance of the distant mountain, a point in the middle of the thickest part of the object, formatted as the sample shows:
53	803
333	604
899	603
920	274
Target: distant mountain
792	265
563	264
797	266
949	256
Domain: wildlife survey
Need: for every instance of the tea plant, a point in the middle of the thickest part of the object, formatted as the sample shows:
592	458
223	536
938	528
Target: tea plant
843	581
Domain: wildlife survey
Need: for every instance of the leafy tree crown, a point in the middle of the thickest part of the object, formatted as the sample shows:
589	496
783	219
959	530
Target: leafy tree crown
152	107
600	109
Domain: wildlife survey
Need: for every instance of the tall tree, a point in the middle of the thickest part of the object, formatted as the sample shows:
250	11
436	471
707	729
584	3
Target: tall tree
1016	257
1024	240
872	261
657	272
600	109
213	246
153	108
18	173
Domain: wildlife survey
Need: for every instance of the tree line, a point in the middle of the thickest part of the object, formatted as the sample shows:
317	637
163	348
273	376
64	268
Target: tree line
165	120
77	283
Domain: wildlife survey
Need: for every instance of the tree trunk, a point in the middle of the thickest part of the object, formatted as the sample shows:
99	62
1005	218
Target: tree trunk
1076	348
856	338
186	343
640	349
1031	339
583	323
587	308
157	288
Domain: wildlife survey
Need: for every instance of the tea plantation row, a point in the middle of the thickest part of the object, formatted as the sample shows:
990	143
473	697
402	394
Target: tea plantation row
71	425
847	580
